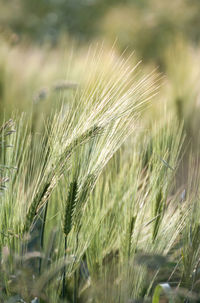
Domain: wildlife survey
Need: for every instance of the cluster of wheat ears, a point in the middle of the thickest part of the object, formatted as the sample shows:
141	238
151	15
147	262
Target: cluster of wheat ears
94	206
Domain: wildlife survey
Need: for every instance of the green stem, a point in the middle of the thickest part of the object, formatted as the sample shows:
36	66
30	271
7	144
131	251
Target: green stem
42	234
76	275
64	272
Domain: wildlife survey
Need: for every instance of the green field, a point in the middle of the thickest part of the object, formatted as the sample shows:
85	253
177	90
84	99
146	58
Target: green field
99	170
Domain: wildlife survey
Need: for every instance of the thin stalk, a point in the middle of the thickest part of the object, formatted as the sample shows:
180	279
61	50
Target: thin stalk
42	234
130	232
75	286
63	294
76	273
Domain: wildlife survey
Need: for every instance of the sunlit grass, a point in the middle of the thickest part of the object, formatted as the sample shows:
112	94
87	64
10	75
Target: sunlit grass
93	207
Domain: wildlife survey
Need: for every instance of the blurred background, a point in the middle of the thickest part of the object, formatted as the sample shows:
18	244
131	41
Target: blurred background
146	26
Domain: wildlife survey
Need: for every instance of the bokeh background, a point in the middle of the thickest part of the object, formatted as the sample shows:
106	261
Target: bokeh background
145	26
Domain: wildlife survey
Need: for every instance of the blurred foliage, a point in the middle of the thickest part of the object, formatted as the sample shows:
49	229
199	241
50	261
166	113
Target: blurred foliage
45	20
145	26
150	26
